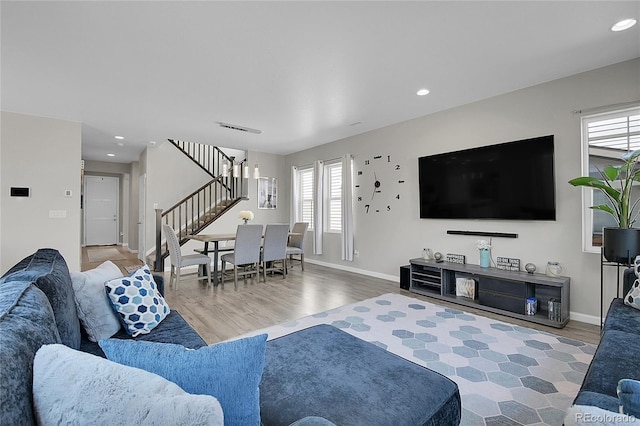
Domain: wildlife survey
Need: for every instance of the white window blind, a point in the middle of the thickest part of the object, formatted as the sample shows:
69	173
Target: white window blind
306	196
334	196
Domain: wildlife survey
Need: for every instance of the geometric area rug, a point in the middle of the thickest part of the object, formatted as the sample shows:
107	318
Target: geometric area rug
506	374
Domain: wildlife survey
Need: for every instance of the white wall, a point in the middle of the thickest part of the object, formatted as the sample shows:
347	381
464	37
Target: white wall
387	240
44	155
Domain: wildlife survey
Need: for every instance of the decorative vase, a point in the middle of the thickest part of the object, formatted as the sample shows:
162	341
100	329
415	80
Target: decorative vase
621	245
554	269
485	258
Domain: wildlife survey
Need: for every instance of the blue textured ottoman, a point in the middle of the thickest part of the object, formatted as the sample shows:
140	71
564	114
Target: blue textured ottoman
323	371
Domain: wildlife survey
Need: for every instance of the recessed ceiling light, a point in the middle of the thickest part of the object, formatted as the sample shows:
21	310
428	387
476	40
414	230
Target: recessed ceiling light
119	144
111	155
625	24
152	143
422	92
119	137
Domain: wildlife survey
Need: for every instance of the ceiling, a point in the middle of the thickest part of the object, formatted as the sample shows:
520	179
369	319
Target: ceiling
304	73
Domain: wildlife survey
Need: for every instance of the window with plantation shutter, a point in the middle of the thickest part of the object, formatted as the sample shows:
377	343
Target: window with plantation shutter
606	138
334	197
306	196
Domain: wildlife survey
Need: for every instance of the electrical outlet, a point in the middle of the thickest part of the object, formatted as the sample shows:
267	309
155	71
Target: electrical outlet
356	253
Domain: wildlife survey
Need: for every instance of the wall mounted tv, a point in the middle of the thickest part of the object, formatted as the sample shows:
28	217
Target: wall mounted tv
510	181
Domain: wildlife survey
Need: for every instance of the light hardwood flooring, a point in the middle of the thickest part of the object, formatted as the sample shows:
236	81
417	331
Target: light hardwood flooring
221	313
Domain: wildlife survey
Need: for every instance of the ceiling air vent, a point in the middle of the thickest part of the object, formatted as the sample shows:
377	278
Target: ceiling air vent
239	128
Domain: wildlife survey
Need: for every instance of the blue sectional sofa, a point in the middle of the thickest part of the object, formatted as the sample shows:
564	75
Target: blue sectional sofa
314	375
37	308
616	357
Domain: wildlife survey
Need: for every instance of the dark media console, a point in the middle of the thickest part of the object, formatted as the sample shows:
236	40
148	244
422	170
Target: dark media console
499	291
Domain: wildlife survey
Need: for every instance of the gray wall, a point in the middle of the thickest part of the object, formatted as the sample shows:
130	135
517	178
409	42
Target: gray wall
44	155
388	240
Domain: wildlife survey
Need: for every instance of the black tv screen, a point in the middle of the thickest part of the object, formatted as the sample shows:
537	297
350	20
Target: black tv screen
513	181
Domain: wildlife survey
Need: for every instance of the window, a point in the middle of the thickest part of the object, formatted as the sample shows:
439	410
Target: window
333	214
306	196
606	138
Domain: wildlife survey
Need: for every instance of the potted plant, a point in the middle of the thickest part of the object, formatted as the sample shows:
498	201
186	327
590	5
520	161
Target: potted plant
620	243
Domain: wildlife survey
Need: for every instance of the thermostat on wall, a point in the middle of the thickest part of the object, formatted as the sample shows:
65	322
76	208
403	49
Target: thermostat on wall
19	192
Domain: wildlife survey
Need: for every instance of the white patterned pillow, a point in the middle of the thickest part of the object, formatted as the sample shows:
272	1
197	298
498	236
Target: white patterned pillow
636	266
138	302
633	297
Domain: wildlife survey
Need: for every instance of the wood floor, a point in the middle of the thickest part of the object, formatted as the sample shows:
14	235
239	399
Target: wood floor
221	313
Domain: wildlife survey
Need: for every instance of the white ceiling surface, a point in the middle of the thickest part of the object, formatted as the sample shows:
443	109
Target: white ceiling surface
302	72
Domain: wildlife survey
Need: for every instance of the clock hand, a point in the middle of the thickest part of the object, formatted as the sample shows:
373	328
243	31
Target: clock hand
376	185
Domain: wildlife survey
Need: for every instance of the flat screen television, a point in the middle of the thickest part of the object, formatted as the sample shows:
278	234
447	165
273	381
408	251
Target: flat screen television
510	181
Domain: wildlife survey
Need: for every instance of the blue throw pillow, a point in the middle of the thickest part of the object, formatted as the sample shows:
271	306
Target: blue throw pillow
629	395
137	301
230	371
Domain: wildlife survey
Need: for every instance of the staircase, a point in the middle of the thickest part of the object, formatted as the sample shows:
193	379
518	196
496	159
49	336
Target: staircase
206	204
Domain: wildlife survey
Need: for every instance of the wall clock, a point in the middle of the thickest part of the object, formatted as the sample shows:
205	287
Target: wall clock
378	184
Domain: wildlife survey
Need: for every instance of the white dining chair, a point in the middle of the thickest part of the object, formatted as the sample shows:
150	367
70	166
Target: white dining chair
274	250
295	247
246	252
178	261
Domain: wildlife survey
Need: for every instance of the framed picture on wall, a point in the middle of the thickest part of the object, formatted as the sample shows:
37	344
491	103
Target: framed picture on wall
267	193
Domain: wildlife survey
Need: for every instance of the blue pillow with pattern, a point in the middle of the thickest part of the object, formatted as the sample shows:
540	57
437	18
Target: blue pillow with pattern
137	301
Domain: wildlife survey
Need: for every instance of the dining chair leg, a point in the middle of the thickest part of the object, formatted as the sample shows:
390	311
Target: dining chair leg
171	275
235	276
207	268
302	260
177	277
222	274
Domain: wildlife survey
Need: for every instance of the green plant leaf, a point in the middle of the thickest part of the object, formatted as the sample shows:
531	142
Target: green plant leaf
604	207
591	182
584	181
612	172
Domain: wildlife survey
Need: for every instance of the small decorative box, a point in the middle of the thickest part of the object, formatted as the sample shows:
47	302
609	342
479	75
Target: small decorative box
508	263
456	258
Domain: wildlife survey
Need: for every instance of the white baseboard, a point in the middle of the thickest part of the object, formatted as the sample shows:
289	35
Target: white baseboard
589	319
354	270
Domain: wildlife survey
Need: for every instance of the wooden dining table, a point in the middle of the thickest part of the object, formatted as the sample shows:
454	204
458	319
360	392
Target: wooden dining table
215	239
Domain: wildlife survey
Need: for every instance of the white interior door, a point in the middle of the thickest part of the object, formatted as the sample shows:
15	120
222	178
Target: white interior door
142	208
101	195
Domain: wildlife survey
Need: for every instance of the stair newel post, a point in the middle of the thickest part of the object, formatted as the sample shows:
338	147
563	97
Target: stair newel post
159	262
